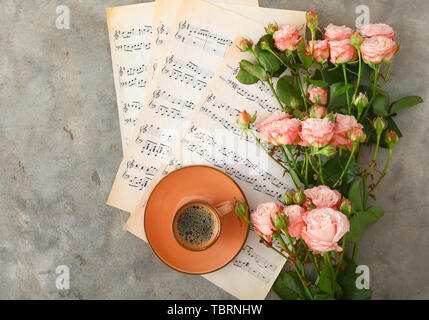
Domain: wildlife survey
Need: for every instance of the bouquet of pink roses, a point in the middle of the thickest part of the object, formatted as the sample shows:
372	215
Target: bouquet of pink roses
331	105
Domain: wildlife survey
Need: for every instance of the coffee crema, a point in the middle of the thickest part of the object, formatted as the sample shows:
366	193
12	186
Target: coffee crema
197	225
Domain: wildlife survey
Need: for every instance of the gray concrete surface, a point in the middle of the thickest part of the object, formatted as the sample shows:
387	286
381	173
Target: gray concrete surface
60	148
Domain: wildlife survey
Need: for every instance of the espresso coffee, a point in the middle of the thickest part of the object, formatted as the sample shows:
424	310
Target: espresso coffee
197	225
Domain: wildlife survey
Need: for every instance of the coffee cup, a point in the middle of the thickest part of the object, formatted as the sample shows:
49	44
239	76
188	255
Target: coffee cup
197	224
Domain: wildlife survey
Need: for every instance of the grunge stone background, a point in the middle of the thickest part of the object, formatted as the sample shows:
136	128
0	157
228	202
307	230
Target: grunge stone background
60	148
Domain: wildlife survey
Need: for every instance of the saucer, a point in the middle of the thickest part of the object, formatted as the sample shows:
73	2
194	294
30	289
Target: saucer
173	191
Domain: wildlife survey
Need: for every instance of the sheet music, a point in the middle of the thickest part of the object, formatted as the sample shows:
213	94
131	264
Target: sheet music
165	13
130	34
131	41
195	49
212	137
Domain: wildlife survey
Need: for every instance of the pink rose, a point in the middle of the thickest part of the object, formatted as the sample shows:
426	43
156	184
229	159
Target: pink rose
342	51
320	50
262	218
316	132
377	30
378	49
287	38
317	95
244	118
279	129
324	228
296	223
343	126
323	197
337	33
318	111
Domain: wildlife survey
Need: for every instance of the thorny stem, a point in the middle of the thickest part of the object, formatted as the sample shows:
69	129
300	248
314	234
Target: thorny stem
347	89
347	164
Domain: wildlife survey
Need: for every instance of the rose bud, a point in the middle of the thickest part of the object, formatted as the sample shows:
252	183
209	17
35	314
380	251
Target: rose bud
356	39
320	50
391	139
271	28
379	125
317	95
246	44
299	197
312	19
346	207
328	151
265	45
356	135
287	38
280	221
288	198
244	118
318	111
360	102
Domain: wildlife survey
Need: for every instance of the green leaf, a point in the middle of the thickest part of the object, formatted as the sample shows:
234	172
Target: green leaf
254	70
342	90
360	222
245	77
289	287
337	100
347	280
332	170
307	61
381	104
267	60
318	83
405	103
287	91
355	196
325	280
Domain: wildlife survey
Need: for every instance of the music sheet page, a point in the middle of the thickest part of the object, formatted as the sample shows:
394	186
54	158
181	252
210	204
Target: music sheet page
165	13
130	34
212	137
134	49
196	46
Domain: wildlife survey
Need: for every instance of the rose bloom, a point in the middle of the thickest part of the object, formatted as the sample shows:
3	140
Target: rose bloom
262	218
323	197
317	95
343	125
283	132
296	223
279	129
321	50
337	33
377	30
287	38
378	49
342	51
323	229
316	132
